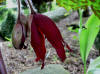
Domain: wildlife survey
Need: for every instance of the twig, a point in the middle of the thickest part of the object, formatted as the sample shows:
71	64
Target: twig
2	65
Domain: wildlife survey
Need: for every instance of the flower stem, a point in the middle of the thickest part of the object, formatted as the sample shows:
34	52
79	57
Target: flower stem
18	2
85	67
31	6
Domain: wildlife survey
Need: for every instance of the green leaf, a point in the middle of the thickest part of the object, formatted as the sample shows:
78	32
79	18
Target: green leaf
75	4
88	35
83	4
94	67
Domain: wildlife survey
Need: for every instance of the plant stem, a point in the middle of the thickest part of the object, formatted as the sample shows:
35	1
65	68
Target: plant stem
18	2
85	67
2	65
31	7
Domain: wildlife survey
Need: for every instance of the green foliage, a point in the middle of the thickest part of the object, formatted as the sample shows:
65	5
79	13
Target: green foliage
10	45
3	12
43	7
94	67
26	11
75	4
73	30
88	35
7	25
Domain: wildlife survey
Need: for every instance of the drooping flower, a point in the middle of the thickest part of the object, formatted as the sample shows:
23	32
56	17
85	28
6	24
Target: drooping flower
40	26
52	33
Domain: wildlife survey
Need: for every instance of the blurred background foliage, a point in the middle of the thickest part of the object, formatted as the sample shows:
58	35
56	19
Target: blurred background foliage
8	12
7	25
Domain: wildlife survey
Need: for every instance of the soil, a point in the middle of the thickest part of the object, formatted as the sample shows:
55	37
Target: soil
17	61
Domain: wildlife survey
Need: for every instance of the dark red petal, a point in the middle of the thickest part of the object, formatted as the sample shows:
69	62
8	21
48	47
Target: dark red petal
38	42
49	28
59	49
42	65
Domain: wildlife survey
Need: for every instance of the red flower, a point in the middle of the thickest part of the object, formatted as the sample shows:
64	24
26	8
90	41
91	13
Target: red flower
42	25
